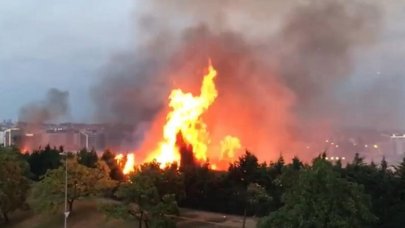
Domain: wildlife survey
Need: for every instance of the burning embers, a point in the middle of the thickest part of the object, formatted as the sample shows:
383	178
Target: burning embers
185	136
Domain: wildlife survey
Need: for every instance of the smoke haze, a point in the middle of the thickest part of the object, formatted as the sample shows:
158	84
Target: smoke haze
281	66
54	106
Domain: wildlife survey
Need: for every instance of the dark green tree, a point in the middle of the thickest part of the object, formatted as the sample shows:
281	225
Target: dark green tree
245	171
358	161
278	179
383	165
14	184
256	197
42	160
400	171
378	181
144	200
87	158
396	211
288	175
296	163
321	198
115	171
197	180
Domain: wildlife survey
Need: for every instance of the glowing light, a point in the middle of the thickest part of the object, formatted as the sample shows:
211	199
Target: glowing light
119	158
228	146
129	164
375	146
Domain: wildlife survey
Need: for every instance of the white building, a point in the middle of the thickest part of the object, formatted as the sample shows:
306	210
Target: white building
2	137
398	141
11	136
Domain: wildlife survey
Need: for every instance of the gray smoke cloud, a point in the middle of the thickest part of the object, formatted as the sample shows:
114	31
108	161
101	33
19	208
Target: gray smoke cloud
54	106
318	42
281	66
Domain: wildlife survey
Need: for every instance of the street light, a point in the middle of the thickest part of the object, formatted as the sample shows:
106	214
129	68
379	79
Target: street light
66	213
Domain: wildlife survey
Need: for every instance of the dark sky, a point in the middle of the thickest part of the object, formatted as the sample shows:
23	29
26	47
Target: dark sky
65	44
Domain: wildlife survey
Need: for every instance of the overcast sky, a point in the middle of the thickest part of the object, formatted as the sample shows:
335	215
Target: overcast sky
64	44
59	44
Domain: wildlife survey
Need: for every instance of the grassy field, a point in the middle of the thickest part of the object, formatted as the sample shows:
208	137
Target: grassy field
86	215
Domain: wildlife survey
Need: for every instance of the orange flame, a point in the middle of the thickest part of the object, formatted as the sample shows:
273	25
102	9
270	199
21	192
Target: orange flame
25	149
129	165
119	158
185	118
185	129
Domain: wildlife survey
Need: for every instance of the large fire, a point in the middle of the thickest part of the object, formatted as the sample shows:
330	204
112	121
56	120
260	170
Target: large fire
185	119
185	128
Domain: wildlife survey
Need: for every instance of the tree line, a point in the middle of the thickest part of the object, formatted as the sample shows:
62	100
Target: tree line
279	194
